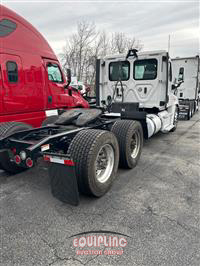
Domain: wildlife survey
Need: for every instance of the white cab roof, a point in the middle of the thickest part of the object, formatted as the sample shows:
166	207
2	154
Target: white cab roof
185	58
144	53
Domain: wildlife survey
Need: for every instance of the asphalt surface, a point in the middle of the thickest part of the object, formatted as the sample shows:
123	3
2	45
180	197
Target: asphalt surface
156	204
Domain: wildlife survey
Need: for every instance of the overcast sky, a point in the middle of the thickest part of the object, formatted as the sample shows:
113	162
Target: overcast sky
149	21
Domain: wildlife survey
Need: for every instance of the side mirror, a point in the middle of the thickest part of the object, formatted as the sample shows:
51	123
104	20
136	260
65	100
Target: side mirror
69	78
70	92
181	76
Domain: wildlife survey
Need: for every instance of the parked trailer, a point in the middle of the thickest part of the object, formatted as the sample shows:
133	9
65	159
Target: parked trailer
187	70
140	84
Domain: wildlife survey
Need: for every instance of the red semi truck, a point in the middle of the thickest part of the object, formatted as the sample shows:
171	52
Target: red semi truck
32	83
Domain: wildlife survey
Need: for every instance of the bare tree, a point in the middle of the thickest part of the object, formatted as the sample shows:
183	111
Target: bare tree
78	48
87	44
120	43
100	48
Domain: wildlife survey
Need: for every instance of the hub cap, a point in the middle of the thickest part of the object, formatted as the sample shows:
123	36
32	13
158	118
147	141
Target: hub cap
104	163
135	144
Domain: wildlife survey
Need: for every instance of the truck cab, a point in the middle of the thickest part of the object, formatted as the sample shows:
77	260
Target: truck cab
32	83
146	79
143	78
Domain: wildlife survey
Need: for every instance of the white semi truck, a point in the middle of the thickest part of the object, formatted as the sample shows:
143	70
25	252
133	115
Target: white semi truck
84	147
187	70
79	85
139	84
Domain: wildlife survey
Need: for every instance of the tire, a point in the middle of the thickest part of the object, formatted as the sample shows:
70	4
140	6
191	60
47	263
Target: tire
88	146
175	122
5	159
195	106
189	114
125	130
49	120
192	109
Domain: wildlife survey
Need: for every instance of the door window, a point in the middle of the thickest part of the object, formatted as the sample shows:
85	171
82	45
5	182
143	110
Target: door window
119	70
181	74
12	71
145	69
54	73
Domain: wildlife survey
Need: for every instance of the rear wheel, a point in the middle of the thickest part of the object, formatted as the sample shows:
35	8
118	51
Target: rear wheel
6	156
192	109
197	105
189	113
96	157
130	138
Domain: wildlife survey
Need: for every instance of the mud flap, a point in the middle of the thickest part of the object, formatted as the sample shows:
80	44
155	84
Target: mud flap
183	113
64	183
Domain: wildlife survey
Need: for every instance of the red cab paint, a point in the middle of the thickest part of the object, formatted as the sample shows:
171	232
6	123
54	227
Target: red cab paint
31	78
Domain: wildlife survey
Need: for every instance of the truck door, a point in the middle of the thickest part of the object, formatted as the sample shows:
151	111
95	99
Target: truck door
57	95
14	96
146	80
165	81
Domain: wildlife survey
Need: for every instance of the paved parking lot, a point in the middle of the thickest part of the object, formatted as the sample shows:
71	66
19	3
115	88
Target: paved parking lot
156	205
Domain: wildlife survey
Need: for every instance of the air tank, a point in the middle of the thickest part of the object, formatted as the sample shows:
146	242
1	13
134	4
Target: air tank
154	124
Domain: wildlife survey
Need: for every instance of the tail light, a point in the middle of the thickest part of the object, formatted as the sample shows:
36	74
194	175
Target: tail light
13	150
29	162
17	159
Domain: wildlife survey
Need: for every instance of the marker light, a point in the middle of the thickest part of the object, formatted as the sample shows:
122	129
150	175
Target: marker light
23	155
13	150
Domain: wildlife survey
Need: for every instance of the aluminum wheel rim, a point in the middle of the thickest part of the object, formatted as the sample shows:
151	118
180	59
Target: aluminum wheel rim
135	144
104	163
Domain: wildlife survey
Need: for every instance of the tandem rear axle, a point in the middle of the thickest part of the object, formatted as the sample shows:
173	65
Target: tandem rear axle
83	149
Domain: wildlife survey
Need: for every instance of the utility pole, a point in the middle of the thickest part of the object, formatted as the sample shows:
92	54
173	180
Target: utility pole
168	43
